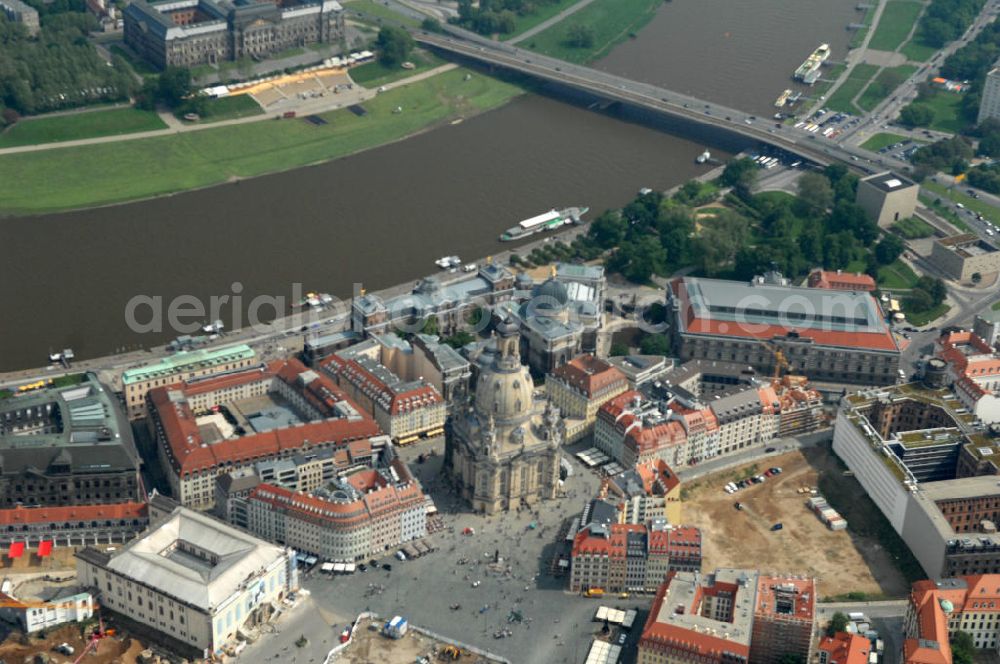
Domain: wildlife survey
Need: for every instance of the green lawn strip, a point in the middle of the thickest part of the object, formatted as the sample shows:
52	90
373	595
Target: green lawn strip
896	275
913	228
897	20
947	111
916	51
879	88
830	74
857	79
128	170
88	124
229	108
374	74
988	211
542	13
380	12
942	211
996	306
922	318
881	140
612	21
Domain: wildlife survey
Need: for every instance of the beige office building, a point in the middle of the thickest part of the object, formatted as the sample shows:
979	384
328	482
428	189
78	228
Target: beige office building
887	197
961	256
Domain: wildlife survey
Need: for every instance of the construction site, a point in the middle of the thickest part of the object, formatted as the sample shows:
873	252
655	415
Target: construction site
369	644
745	526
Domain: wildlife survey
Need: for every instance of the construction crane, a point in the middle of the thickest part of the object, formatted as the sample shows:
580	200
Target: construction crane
781	362
95	636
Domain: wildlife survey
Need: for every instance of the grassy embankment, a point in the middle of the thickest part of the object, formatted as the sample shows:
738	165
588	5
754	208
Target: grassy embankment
229	108
380	12
611	21
74	126
374	74
988	211
542	13
128	170
897	275
859	34
881	140
856	81
897	20
884	85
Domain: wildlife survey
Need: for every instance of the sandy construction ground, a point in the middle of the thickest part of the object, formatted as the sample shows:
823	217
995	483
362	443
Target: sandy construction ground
841	561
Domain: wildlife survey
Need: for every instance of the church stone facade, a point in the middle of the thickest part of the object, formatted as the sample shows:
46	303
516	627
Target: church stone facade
502	451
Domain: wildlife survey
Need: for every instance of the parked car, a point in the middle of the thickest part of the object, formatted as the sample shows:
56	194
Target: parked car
777	526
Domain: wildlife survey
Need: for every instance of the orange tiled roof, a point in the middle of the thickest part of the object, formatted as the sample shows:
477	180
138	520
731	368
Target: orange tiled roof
189	453
72	513
841	280
849	339
589	374
844	648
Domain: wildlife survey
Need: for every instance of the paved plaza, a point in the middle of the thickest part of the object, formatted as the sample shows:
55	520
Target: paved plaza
555	626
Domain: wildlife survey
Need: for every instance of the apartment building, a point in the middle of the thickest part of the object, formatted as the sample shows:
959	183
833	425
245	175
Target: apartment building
701	619
225	424
632	557
844	648
405	409
647	491
783	619
362	513
579	388
182	366
729	616
973	366
939	609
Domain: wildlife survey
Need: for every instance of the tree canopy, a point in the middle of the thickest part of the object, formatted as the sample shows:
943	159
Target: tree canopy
838	623
59	68
393	45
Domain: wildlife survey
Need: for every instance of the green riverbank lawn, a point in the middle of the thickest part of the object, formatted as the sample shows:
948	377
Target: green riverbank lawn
379	12
897	20
73	126
610	21
856	81
374	74
128	170
543	12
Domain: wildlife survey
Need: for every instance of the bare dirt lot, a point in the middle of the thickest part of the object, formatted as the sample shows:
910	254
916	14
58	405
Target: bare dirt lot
841	561
371	646
17	648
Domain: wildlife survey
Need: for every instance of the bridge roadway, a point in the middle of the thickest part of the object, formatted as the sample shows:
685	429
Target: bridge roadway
642	95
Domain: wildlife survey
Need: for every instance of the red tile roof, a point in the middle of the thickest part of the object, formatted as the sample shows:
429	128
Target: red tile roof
189	453
644	440
882	340
590	375
72	513
661	635
804	594
838	280
844	648
388	397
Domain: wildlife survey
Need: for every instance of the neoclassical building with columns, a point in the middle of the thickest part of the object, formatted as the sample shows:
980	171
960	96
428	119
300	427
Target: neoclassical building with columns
503	448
